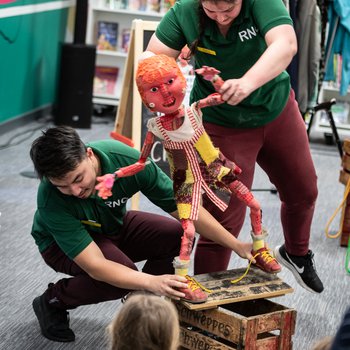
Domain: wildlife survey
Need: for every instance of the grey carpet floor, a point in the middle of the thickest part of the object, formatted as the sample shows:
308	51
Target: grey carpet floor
23	274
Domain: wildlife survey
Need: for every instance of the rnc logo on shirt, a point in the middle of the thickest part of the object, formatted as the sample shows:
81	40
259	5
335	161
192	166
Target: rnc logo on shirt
117	203
248	33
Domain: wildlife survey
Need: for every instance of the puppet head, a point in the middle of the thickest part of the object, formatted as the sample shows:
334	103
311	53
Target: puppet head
161	84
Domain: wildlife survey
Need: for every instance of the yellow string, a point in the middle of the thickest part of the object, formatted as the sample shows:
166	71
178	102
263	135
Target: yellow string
347	190
246	271
197	284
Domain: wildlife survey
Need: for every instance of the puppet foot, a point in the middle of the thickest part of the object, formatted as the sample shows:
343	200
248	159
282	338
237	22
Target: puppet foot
193	294
265	261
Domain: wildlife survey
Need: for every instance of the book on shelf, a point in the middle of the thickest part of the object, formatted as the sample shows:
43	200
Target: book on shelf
125	39
117	4
105	81
165	5
136	5
107	35
153	5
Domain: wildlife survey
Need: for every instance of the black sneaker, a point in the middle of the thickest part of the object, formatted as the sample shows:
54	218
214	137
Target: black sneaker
54	322
302	268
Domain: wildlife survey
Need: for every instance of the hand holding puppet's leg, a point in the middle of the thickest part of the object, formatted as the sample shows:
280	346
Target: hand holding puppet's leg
194	293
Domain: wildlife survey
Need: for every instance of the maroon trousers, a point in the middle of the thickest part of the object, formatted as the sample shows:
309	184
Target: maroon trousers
144	236
282	150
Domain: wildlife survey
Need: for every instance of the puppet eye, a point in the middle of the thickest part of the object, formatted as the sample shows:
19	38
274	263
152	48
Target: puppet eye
171	81
154	89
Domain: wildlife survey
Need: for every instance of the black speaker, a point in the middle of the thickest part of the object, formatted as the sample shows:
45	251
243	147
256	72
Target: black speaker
74	105
81	15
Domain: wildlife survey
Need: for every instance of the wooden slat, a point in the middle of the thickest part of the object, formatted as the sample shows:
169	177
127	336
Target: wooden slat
220	322
194	340
346	146
255	285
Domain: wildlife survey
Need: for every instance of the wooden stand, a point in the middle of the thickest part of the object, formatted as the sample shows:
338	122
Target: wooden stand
244	319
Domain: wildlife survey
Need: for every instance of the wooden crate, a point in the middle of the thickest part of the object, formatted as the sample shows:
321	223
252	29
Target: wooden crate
250	325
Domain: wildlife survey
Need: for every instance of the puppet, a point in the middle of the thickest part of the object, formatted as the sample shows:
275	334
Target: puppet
195	164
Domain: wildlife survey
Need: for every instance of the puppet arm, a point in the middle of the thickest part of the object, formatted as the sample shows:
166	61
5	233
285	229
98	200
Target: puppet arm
211	74
141	163
105	182
211	100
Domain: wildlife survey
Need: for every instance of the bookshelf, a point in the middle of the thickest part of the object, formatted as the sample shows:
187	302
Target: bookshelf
109	11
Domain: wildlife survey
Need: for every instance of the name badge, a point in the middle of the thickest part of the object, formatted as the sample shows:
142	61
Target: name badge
203	49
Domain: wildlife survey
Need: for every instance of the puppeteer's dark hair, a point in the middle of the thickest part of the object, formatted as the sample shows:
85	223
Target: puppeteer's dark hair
56	152
203	23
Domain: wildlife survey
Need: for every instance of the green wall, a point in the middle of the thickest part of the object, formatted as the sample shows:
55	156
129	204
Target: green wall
29	59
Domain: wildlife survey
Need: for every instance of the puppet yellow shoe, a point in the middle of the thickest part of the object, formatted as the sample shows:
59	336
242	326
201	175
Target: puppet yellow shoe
193	294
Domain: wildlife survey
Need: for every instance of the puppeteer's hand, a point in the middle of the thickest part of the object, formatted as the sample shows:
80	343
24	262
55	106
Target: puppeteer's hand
167	285
233	91
244	250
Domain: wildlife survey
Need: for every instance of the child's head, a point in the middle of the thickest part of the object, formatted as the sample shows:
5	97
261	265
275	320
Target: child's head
145	322
161	84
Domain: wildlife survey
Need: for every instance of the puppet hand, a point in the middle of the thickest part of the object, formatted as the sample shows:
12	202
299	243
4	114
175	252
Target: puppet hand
208	73
215	99
105	185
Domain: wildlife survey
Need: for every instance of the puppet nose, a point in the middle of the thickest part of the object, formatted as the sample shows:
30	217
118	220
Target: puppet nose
164	90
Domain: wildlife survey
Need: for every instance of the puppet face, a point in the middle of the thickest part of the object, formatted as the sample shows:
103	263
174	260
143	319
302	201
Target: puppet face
161	84
166	95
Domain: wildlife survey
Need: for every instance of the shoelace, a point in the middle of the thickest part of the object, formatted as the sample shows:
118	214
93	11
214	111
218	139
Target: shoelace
267	257
194	285
312	261
246	271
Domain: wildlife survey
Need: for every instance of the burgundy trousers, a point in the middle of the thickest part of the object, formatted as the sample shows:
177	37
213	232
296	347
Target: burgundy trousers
144	236
281	148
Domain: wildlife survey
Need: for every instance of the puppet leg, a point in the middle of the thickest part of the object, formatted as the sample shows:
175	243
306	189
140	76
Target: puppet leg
193	293
264	260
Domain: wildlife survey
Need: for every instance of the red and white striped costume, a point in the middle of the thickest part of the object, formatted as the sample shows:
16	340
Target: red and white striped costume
196	165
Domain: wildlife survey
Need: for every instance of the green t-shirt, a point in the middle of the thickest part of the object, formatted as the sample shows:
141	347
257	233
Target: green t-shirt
68	220
233	55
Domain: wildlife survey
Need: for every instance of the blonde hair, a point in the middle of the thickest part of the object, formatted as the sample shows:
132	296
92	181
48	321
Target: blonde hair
145	322
323	344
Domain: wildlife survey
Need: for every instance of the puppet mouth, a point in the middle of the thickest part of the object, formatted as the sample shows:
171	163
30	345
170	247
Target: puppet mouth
170	102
